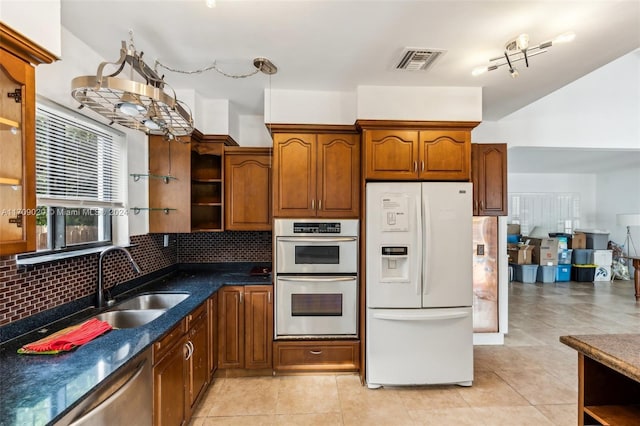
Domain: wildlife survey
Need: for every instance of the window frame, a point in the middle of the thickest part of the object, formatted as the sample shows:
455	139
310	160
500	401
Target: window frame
109	210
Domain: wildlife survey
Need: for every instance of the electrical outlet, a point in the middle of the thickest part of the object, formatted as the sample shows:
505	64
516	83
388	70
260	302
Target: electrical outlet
480	250
166	240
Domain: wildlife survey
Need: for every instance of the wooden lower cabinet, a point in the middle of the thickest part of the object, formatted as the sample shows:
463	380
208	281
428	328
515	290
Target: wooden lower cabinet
307	356
245	326
181	369
213	334
198	359
169	377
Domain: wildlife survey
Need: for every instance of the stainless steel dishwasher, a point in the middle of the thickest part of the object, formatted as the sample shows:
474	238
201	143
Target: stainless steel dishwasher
125	399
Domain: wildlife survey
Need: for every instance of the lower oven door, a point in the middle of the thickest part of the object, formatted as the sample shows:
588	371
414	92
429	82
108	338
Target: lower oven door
316	306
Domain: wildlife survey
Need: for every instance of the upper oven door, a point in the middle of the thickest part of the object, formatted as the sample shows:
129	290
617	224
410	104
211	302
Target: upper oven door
316	255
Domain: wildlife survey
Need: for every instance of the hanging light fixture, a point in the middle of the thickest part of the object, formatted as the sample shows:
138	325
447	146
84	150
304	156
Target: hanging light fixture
149	105
517	50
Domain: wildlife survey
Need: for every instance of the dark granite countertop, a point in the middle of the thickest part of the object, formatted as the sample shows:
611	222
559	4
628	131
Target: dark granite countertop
40	389
620	352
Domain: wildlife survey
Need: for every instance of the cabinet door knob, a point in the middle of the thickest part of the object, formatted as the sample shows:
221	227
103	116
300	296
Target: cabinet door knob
313	204
241	294
315	352
415	167
422	165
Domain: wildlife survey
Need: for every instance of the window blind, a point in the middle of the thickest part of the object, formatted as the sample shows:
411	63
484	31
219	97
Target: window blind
550	212
77	163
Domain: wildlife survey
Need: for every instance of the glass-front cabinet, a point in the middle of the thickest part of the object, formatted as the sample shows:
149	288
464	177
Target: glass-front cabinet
17	198
17	140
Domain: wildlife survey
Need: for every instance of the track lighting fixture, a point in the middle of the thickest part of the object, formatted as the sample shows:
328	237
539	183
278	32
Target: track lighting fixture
517	50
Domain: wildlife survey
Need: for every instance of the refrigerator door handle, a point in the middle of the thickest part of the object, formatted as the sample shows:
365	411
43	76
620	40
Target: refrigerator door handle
419	269
420	317
426	244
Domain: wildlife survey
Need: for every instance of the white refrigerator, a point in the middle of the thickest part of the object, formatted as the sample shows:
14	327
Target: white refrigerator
419	283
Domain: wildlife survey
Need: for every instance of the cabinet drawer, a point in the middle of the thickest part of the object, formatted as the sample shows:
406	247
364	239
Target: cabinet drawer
171	338
317	356
194	316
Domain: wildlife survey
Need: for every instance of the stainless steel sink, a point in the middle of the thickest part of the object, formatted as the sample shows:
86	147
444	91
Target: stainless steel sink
130	318
151	301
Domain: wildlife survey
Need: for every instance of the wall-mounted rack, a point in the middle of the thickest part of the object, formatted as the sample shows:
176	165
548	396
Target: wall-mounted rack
166	210
165	178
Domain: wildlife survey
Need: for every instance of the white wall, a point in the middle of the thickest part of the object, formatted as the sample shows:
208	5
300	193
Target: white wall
253	131
599	110
38	20
309	107
618	192
419	103
53	81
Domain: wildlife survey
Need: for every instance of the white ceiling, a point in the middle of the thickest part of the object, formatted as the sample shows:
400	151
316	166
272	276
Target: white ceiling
336	45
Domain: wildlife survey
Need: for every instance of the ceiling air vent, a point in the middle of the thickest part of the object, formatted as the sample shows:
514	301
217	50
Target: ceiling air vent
416	59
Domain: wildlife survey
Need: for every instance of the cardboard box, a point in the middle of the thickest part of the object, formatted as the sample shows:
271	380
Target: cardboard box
513	228
578	241
545	250
520	254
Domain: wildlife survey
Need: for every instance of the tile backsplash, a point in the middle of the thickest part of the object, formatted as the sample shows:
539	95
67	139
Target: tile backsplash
26	292
229	246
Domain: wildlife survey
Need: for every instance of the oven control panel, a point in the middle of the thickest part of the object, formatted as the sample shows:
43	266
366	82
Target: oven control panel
316	227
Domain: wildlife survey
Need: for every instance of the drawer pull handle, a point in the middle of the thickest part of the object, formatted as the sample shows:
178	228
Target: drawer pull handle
315	352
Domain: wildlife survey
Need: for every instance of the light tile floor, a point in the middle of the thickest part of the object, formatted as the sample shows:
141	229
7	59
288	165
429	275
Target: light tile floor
530	380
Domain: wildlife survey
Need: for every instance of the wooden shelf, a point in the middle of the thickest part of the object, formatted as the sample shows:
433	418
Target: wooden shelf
8	123
198	180
619	415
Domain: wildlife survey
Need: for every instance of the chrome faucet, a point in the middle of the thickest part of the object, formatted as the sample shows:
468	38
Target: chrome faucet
100	299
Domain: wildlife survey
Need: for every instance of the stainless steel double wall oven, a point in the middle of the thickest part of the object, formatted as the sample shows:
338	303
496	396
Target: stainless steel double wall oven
316	278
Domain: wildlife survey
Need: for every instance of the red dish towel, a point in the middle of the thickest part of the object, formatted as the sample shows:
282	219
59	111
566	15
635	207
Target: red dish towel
68	338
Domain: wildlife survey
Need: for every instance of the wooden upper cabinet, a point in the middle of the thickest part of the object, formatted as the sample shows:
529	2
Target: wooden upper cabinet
169	158
316	175
294	175
190	197
445	155
391	154
247	184
18	56
338	172
417	150
489	164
